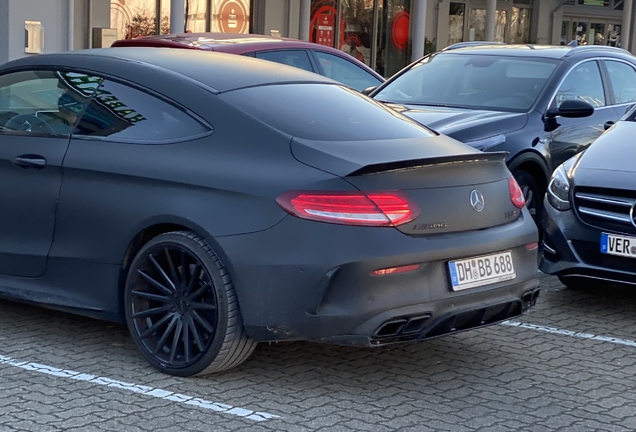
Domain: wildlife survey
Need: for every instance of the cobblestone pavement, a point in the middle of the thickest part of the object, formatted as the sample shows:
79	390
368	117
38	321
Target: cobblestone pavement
557	371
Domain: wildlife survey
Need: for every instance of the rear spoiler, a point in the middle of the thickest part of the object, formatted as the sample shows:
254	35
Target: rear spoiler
499	156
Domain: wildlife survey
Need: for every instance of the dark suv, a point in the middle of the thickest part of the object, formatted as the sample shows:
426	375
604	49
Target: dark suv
542	104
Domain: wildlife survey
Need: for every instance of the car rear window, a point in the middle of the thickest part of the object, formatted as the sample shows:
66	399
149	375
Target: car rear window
325	112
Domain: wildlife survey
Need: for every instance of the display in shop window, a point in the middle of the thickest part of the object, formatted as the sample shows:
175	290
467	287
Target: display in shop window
400	31
233	17
325	31
323	16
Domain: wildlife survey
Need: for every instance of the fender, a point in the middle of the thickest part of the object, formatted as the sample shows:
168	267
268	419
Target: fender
530	156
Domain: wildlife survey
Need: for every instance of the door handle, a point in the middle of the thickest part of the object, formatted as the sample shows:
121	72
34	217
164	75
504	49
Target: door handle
30	162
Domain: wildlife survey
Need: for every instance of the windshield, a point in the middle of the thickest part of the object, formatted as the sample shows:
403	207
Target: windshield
471	81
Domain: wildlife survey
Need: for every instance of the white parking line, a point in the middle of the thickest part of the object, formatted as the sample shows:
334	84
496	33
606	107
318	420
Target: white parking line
141	389
570	333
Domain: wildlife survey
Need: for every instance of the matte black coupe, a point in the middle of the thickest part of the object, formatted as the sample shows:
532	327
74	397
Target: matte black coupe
212	201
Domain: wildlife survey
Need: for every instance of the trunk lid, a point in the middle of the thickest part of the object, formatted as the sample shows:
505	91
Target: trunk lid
439	175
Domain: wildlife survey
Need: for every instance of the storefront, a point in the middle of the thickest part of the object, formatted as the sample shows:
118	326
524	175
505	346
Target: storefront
593	22
134	18
384	34
375	32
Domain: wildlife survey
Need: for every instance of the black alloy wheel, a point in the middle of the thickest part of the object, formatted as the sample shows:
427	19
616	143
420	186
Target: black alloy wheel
181	307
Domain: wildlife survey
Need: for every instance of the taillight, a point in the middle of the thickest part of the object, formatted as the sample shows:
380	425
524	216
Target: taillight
350	208
516	194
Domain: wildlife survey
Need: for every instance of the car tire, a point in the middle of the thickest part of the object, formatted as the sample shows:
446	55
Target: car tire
531	192
177	284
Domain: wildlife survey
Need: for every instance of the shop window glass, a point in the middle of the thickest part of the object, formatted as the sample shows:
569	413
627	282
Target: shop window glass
165	17
477	25
564	32
618	4
456	22
394	39
614	35
322	26
133	18
579	32
520	26
357	16
196	15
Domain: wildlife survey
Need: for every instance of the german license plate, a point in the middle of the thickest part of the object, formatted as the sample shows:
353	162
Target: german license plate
482	270
618	245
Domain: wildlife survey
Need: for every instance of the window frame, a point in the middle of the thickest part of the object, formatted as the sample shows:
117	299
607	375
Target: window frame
156	95
322	71
609	97
610	84
307	52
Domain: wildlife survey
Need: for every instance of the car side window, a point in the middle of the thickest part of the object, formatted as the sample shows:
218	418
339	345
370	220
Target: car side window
623	78
346	72
583	82
43	102
122	113
295	58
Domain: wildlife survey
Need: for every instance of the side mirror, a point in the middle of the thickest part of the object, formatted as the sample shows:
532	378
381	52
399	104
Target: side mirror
573	108
367	91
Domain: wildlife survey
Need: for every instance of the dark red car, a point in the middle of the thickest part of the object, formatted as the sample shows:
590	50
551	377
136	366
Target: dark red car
320	59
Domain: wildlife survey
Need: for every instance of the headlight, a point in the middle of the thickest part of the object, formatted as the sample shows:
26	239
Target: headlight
487	143
559	187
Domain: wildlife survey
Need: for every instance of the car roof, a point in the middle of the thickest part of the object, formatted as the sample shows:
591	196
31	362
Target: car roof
237	43
530	50
218	71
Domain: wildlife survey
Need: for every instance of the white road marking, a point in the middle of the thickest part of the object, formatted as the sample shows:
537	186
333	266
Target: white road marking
570	333
141	389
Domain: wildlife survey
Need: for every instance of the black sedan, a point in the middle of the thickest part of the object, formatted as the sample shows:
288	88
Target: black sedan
542	104
212	201
590	218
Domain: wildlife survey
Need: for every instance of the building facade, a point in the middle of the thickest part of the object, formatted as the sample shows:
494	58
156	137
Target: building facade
385	34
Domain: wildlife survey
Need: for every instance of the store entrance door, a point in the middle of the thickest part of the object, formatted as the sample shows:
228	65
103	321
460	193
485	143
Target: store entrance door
590	31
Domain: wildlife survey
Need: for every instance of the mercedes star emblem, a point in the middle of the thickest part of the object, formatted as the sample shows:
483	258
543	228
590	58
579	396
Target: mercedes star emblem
477	200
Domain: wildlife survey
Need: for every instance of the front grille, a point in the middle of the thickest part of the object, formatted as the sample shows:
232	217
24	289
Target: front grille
590	254
606	209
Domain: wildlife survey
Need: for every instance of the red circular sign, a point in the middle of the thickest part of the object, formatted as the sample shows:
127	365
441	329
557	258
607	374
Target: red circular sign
400	30
233	17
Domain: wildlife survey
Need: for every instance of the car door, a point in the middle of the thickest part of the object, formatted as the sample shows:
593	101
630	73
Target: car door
37	113
345	71
583	81
622	80
298	58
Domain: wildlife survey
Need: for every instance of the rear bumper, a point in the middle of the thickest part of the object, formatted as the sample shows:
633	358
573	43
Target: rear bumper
572	250
304	280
